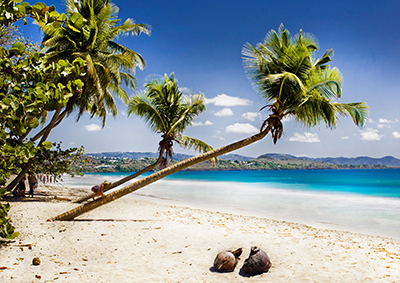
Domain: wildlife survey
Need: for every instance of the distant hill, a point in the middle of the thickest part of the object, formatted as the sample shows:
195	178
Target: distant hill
135	155
234	157
387	160
278	156
362	160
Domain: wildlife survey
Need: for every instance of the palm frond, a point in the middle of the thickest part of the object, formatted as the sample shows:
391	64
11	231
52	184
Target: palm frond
193	106
188	142
142	107
109	65
287	75
327	81
358	111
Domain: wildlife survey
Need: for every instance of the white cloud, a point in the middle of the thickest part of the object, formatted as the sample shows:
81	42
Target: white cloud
206	123
345	138
92	128
123	113
287	119
306	137
396	135
370	135
217	136
383	126
251	116
228	101
239	128
71	143
224	112
386	121
185	89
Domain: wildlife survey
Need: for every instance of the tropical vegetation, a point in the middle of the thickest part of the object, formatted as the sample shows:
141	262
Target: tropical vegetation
293	83
79	48
89	32
166	111
29	89
35	84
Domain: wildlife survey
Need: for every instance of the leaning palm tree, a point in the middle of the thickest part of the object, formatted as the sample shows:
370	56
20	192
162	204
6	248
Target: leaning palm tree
293	83
89	33
166	111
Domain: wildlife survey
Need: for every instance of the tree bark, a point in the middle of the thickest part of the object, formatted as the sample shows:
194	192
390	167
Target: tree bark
43	131
126	179
27	166
70	215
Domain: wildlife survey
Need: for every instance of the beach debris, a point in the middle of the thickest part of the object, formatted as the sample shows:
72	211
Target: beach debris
38	276
227	261
36	261
258	262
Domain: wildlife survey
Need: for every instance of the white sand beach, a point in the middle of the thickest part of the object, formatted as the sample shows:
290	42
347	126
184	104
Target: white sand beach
136	239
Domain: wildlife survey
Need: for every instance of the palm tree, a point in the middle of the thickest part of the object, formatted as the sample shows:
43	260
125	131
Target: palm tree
167	111
291	81
285	72
89	33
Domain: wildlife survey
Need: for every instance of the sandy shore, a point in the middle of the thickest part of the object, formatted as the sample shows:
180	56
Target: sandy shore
135	239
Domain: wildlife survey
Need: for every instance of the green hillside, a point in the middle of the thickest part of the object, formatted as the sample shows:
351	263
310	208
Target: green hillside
112	164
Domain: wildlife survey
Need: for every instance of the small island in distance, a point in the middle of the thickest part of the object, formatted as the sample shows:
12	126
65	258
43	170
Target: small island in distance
134	161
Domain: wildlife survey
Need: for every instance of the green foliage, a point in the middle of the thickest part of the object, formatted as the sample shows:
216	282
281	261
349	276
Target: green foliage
57	162
168	111
30	87
13	10
8	34
89	31
7	231
287	75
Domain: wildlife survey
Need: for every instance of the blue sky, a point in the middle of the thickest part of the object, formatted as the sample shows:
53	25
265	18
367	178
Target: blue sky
201	41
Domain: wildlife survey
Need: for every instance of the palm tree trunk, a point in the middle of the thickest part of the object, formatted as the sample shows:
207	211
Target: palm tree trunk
70	215
27	166
126	179
43	131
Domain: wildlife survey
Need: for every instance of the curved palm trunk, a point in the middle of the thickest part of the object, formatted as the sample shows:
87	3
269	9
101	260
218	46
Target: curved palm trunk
126	179
43	131
27	166
70	215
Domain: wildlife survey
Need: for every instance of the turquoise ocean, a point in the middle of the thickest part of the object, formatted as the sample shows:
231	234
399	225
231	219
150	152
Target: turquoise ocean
365	200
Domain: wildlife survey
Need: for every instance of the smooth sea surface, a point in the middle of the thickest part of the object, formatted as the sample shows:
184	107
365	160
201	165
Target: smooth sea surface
358	200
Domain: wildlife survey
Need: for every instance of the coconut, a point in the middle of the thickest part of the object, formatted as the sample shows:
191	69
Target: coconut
227	261
257	263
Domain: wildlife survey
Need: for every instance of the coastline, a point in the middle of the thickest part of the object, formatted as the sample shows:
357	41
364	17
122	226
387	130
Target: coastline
135	238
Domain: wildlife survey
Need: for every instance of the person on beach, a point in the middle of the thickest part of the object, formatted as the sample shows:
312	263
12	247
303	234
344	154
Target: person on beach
98	190
33	183
19	190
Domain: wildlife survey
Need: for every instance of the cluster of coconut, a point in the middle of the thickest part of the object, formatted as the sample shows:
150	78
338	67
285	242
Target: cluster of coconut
257	263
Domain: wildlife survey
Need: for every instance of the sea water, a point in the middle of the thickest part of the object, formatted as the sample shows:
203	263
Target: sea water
360	200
